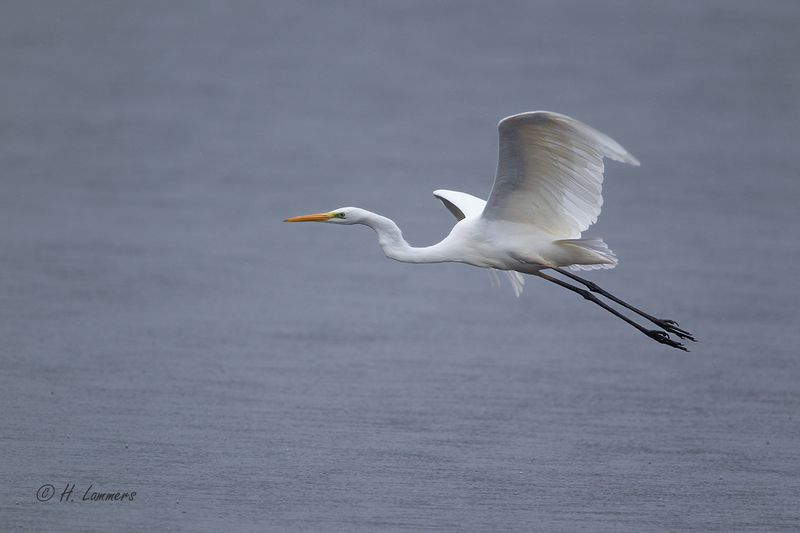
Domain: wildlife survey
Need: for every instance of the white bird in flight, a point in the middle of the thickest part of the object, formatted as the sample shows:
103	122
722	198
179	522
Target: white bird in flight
547	191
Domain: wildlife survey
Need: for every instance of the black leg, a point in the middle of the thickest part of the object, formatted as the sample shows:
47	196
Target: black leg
657	335
669	325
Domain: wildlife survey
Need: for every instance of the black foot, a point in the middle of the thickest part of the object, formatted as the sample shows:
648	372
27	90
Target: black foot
663	338
672	327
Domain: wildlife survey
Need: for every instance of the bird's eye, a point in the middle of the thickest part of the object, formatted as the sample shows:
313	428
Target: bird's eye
339	215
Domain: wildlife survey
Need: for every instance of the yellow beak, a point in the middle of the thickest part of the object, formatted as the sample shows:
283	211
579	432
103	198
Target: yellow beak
318	217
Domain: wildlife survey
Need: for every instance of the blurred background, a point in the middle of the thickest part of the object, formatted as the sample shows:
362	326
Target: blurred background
163	332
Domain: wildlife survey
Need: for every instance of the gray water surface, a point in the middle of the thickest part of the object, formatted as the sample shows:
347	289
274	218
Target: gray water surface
164	333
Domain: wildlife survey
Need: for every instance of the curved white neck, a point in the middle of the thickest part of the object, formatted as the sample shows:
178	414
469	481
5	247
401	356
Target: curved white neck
391	240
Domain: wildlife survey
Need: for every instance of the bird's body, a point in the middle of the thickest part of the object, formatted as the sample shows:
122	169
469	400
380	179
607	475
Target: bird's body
485	243
547	191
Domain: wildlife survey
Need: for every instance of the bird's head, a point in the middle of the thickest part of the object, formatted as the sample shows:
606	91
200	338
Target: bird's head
343	215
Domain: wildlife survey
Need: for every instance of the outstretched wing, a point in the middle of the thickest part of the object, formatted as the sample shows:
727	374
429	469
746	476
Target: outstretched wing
550	173
464	205
461	204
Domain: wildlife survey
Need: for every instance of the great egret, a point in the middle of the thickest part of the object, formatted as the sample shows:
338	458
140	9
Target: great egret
546	192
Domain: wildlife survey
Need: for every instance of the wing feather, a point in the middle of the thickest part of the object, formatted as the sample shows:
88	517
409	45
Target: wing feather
550	173
461	204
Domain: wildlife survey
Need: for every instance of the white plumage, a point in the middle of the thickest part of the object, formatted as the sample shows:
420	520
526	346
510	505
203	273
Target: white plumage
550	173
547	191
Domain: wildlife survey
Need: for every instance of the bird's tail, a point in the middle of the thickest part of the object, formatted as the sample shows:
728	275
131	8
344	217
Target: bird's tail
596	254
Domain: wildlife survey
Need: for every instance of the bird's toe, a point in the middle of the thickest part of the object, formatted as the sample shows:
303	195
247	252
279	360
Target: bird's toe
664	338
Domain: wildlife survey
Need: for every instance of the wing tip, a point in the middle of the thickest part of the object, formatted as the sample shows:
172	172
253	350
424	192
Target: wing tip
629	158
